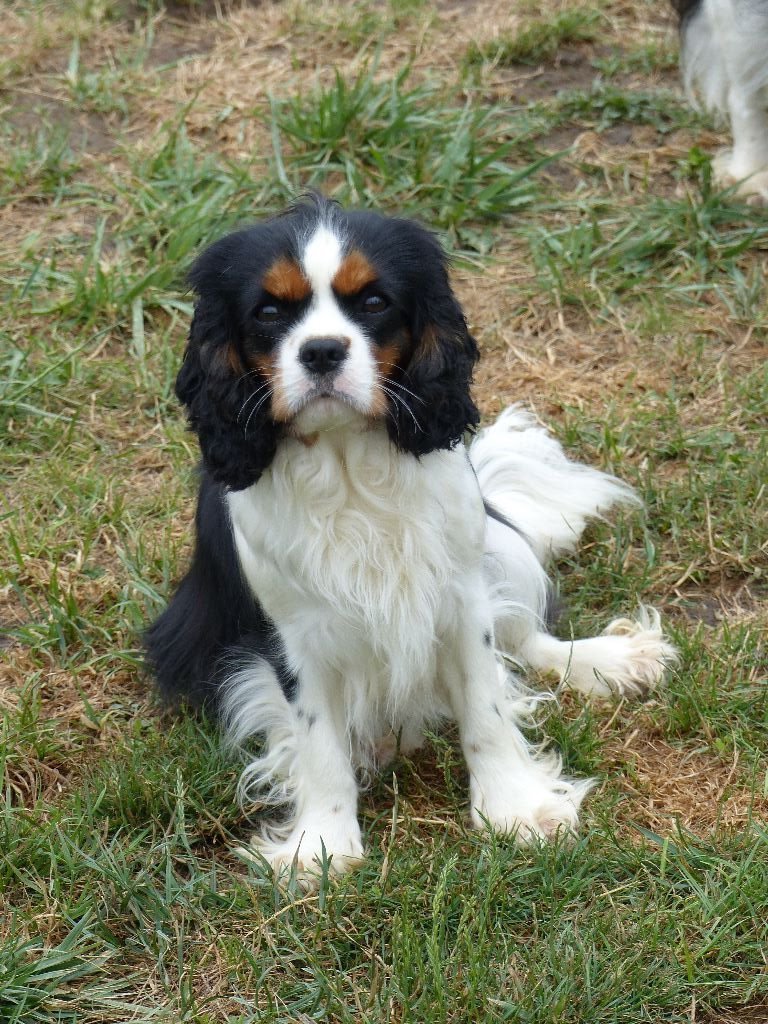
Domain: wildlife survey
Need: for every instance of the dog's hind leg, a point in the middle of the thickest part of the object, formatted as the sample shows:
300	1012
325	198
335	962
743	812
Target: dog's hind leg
628	660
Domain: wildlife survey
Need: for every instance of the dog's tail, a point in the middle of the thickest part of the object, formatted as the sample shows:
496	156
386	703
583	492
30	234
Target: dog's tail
526	476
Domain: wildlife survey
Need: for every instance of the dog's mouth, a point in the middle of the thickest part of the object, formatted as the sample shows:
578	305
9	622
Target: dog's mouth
326	392
326	389
324	407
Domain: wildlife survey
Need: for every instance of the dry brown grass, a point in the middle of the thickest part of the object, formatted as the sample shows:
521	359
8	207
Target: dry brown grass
665	786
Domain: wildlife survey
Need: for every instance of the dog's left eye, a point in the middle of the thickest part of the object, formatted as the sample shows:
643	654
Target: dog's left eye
374	304
267	313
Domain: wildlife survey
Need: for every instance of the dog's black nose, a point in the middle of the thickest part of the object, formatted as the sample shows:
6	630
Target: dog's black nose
323	355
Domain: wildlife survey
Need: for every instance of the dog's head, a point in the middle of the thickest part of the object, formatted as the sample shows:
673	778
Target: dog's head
317	318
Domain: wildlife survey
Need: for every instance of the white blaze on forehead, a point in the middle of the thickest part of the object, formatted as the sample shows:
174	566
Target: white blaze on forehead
322	258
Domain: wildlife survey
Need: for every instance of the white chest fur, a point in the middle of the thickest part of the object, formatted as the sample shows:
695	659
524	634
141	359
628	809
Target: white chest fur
355	551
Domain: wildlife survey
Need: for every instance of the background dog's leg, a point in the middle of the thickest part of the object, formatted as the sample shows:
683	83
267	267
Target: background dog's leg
725	66
749	157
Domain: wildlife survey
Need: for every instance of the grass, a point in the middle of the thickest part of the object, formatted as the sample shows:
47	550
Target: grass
611	286
540	38
604	105
388	140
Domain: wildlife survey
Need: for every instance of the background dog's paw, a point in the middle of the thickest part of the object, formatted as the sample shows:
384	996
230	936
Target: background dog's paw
752	187
307	850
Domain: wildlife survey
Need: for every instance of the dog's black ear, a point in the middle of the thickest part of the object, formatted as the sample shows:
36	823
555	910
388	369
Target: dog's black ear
228	404
437	378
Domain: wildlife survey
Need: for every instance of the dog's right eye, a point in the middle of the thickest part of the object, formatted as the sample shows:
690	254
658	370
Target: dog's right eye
268	313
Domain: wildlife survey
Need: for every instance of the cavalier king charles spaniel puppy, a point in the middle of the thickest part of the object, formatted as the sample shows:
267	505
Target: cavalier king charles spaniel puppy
360	575
725	63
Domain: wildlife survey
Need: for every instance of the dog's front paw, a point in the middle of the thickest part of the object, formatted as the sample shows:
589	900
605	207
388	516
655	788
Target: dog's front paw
752	186
308	850
537	809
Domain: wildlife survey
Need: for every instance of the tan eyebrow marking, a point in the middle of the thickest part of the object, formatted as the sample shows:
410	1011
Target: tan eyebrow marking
354	274
286	281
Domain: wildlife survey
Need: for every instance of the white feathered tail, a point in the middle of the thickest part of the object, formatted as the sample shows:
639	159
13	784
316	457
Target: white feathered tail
525	474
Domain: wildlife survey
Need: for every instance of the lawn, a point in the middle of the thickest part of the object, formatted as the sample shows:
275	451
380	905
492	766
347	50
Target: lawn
612	289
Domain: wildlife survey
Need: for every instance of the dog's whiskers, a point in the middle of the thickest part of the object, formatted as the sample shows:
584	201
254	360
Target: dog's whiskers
397	384
248	373
249	399
255	409
401	401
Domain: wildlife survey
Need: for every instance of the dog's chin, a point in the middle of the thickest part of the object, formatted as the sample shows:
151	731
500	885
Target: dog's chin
323	412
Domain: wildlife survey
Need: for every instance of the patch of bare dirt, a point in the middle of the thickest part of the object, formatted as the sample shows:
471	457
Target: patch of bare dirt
570	69
733	602
174	45
186	12
86	131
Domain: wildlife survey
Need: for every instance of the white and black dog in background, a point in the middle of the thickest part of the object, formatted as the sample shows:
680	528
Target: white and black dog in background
359	575
725	63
